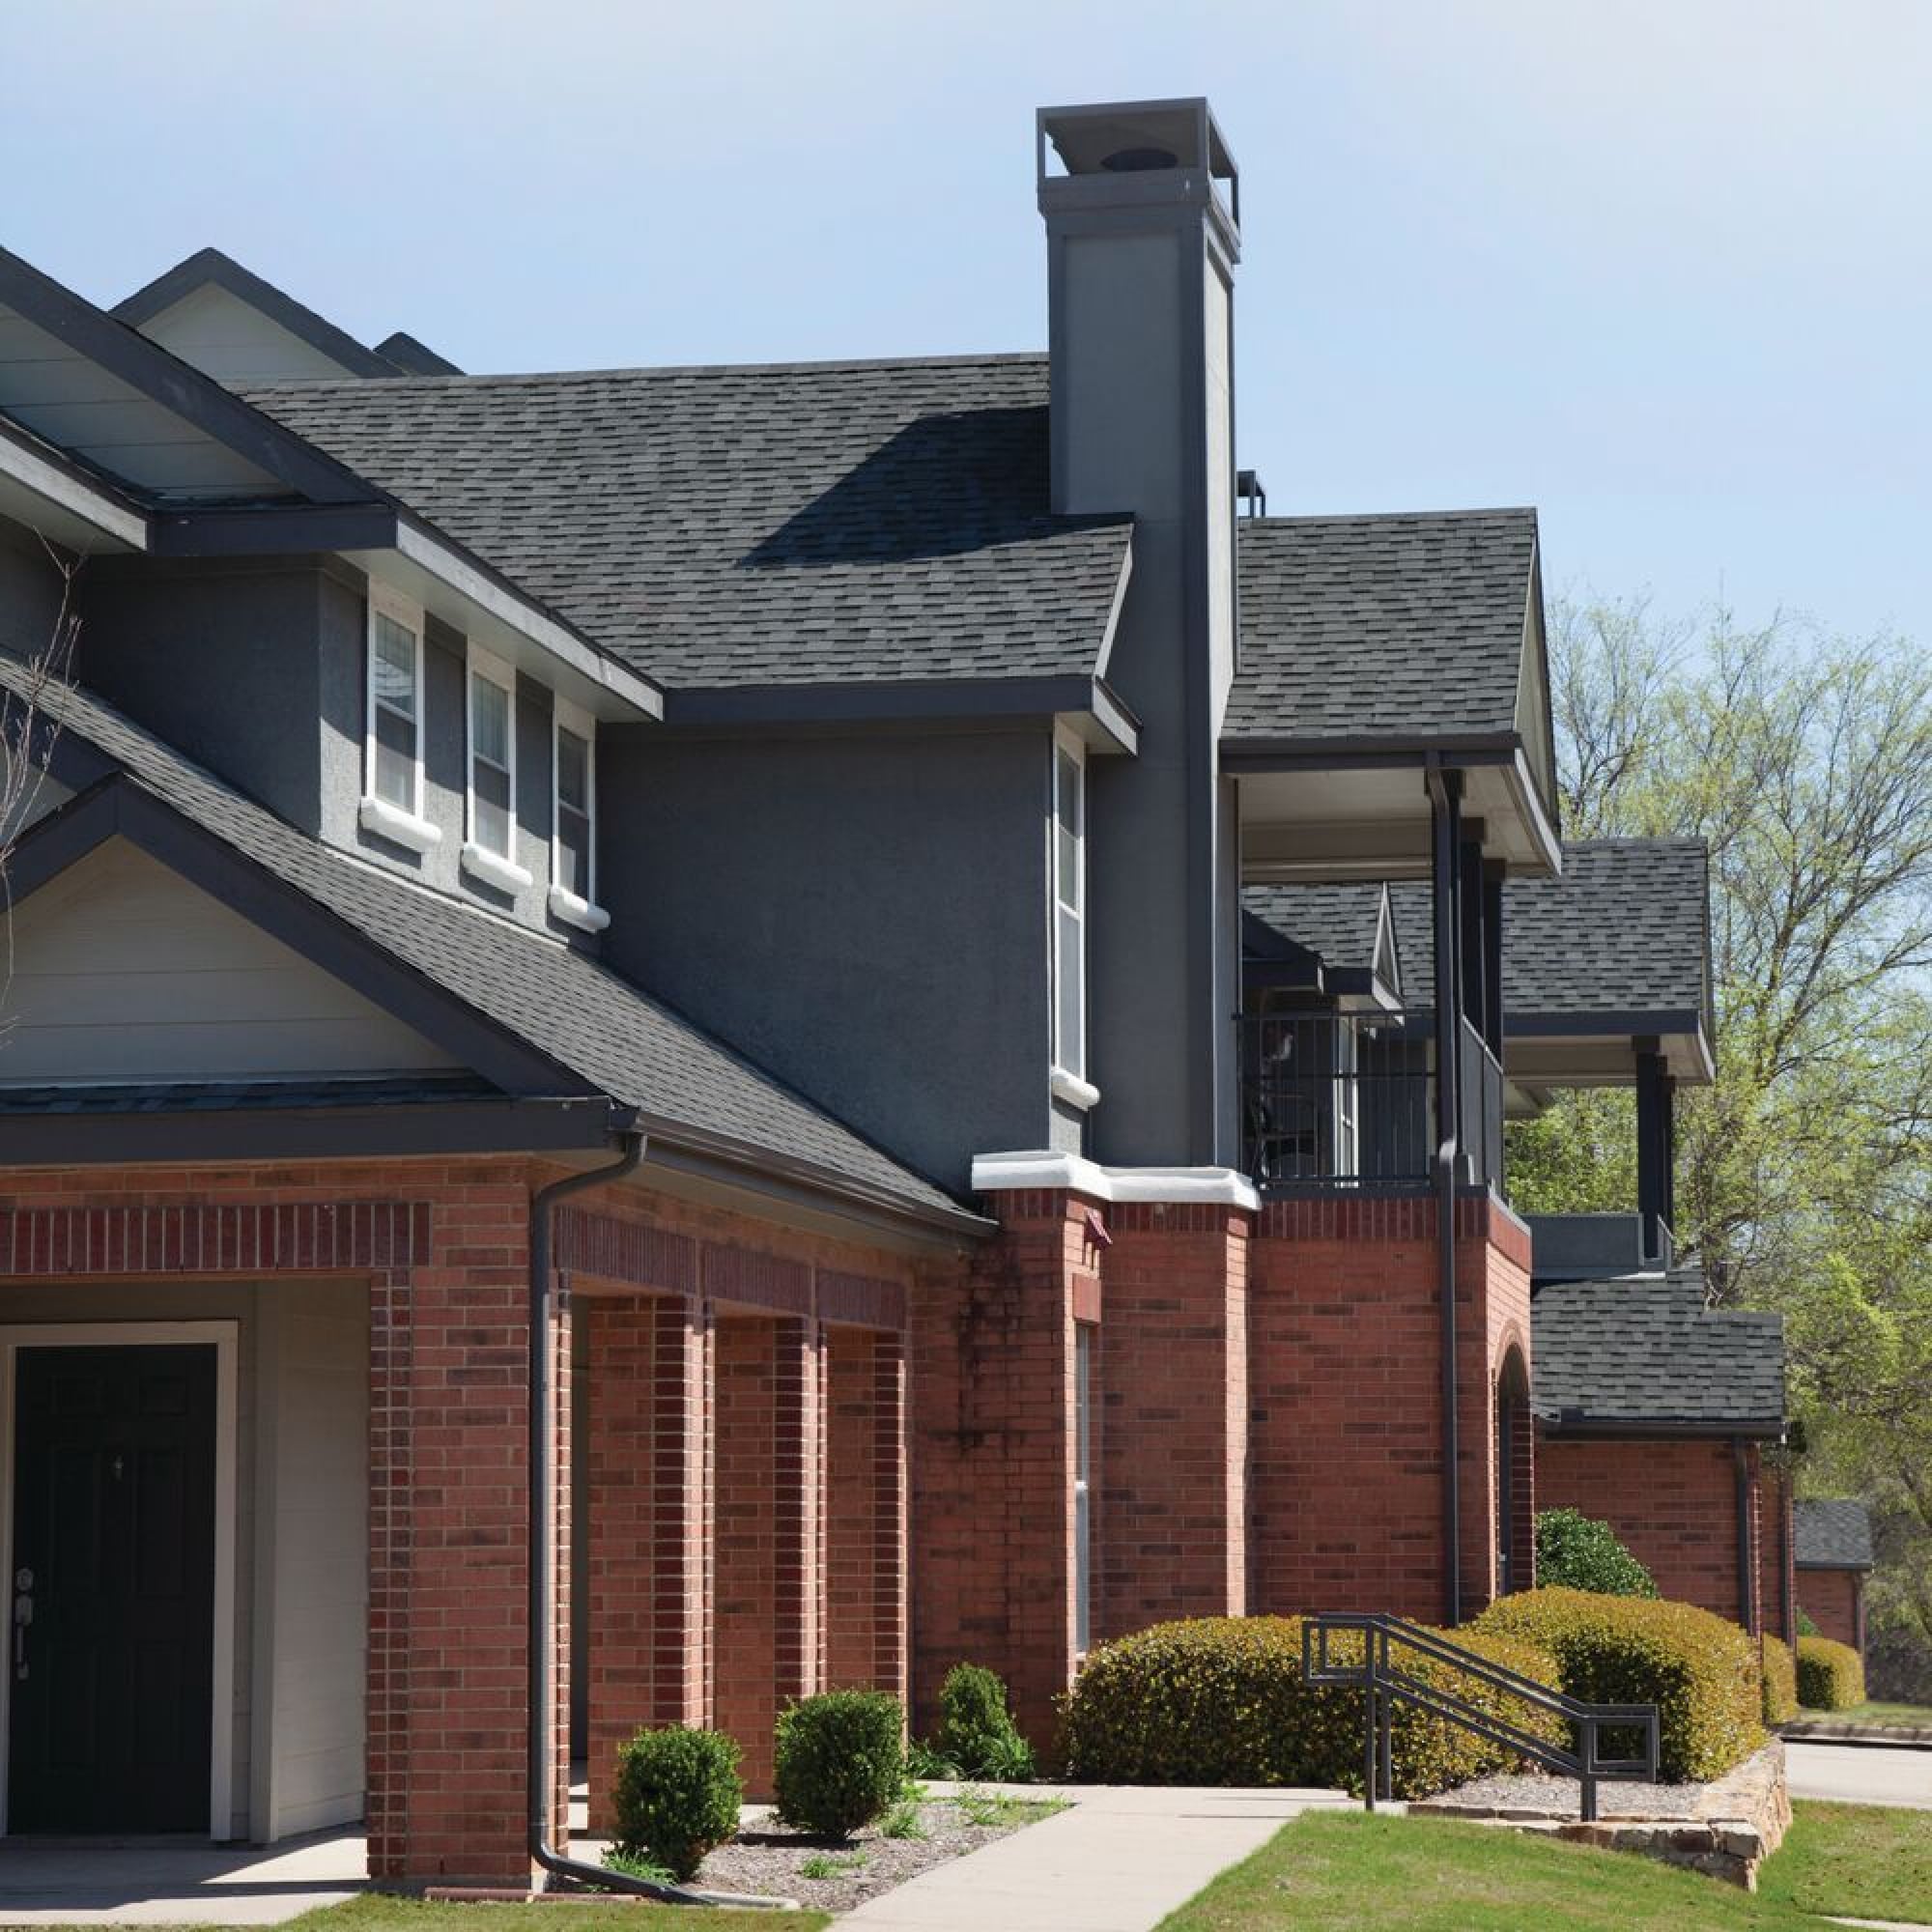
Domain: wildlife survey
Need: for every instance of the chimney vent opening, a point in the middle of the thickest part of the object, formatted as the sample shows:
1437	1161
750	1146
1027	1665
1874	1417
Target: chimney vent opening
1140	160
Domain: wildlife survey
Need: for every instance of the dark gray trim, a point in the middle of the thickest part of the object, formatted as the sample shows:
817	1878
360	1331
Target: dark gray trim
1863	1569
1354	752
413	357
1445	803
512	1125
1626	1025
688	1150
120	807
1659	1429
210	266
913	698
273	529
124	351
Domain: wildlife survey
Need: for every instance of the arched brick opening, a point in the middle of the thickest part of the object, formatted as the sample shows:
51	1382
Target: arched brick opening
1513	1462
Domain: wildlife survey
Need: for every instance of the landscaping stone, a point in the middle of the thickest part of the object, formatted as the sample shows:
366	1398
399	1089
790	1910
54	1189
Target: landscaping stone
1726	1828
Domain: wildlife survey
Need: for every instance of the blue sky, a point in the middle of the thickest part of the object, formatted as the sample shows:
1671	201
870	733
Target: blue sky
1663	267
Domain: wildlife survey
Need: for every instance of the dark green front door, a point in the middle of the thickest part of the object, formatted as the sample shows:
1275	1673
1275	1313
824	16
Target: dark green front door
111	1609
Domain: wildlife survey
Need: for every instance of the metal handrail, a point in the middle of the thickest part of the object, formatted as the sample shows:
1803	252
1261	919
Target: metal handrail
1385	1683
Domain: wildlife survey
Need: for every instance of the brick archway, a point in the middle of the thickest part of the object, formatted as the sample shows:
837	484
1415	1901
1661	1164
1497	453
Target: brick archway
1514	1461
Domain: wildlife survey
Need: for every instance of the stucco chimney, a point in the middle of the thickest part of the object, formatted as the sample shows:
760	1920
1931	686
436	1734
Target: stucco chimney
1142	204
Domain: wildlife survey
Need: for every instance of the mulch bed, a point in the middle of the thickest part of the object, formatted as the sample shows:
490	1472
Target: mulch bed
766	1858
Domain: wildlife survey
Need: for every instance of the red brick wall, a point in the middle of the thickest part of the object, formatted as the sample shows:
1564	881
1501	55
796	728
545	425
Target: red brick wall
1777	1577
992	1455
1171	1395
1672	1502
1346	1425
1834	1600
865	1510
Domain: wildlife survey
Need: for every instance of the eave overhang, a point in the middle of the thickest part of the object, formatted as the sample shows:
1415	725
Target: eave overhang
1578	1423
1601	1049
1357	807
43	489
1085	702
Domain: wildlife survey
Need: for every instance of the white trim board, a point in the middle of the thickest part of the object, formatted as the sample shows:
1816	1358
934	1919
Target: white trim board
1220	1186
224	1336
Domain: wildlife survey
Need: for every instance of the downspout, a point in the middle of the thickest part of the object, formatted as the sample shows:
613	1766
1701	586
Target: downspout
541	1615
1443	816
1746	1567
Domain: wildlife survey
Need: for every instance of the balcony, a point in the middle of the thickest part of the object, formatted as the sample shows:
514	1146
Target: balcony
1345	1101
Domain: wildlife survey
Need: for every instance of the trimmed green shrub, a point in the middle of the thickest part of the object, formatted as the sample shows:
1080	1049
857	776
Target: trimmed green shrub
677	1798
1699	1670
1830	1676
841	1760
977	1731
1575	1551
1220	1700
1805	1627
1780	1681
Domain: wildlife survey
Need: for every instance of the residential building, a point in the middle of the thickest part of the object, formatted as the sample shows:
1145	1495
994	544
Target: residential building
681	1035
1833	1549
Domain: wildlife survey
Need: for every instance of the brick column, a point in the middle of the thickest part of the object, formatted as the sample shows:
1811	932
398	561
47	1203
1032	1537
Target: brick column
649	1523
770	1527
1491	1325
992	1455
1173	1396
865	1563
447	1573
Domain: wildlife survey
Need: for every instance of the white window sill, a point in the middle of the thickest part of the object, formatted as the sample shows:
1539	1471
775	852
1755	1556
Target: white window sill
399	827
492	868
573	911
1071	1088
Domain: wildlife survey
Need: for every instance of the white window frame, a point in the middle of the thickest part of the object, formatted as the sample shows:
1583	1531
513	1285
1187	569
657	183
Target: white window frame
564	904
494	868
1067	1083
401	827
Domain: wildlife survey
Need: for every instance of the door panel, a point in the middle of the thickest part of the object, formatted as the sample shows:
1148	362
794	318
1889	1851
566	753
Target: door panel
114	1519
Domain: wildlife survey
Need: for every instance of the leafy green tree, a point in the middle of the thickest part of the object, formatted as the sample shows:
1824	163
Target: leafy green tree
1575	1551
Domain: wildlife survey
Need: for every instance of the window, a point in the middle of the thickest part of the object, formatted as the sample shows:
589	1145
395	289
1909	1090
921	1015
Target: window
573	858
393	800
1083	1471
1069	908
489	851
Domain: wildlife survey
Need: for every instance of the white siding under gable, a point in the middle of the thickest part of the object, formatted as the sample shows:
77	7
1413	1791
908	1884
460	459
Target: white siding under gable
123	971
217	332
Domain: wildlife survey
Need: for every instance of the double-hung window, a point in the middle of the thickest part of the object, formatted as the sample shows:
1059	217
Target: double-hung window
1068	867
392	803
489	851
573	859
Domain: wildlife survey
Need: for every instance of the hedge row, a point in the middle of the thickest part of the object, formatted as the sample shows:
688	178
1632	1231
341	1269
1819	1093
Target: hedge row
1699	1670
1830	1676
1220	1700
1780	1681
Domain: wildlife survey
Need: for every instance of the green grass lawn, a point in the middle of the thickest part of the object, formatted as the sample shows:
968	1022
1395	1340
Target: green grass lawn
1339	1872
1854	1862
1905	1714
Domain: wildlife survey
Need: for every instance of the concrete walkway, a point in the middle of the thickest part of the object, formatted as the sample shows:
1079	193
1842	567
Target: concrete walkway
1119	1860
159	1882
1859	1774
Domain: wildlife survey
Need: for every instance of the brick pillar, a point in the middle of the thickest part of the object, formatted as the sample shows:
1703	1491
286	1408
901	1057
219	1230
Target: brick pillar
992	1455
1492	1323
447	1573
770	1527
865	1562
1173	1397
648	1523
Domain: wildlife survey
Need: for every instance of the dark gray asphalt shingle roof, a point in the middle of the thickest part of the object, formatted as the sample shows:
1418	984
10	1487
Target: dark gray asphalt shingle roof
1643	1350
1832	1534
570	1009
730	526
1340	922
1381	624
1623	929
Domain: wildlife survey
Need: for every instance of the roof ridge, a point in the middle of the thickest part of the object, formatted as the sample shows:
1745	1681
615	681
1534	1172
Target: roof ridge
823	365
1467	514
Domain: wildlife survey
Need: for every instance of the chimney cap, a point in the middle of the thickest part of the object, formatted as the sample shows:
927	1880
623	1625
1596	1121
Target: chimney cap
1138	137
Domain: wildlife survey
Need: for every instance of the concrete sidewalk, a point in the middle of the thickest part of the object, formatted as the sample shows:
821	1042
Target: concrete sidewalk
1859	1774
86	1882
1119	1860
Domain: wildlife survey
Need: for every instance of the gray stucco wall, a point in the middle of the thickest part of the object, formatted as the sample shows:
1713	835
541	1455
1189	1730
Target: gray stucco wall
221	660
30	593
865	915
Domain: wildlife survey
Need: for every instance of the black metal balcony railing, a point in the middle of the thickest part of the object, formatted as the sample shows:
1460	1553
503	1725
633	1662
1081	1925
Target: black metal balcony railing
1348	1100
